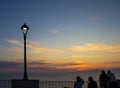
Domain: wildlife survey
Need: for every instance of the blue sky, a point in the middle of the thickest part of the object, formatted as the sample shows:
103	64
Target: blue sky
83	32
79	21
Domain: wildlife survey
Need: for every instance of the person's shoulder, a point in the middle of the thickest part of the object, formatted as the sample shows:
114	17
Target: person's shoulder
76	82
94	82
112	73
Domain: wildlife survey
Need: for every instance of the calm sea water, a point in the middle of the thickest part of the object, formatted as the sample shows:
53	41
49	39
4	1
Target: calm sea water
70	76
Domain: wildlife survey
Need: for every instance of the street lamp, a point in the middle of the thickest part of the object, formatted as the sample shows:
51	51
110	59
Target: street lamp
25	29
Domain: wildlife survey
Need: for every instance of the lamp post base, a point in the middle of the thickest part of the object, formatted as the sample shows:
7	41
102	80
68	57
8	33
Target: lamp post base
24	83
25	77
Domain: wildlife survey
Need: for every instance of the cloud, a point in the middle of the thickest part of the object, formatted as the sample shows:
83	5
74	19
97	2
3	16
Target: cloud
59	67
10	67
43	67
55	31
20	43
33	47
111	64
96	47
35	66
15	42
98	18
7	64
36	48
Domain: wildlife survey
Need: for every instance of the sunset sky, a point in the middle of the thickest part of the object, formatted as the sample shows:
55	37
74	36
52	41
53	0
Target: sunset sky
64	35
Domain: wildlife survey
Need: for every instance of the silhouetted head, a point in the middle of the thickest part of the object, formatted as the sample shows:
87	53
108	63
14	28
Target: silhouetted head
108	71
90	78
78	79
103	72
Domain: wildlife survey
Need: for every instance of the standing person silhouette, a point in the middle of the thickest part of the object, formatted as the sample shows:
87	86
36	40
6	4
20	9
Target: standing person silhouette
79	82
92	83
103	79
112	83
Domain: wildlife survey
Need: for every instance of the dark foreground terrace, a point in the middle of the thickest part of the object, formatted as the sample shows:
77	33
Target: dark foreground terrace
50	84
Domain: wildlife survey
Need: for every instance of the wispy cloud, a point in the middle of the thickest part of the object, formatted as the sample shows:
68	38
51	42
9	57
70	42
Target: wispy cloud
96	47
36	48
15	42
55	31
20	43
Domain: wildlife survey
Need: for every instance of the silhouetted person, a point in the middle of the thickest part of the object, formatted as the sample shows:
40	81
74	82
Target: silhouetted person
112	82
103	79
92	83
79	82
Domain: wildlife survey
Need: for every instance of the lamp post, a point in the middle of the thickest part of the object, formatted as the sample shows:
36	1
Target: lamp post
25	29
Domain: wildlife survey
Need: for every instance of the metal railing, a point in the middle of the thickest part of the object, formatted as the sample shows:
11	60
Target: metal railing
47	84
60	84
5	83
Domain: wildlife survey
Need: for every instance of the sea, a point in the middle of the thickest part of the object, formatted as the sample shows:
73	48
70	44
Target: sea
67	76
